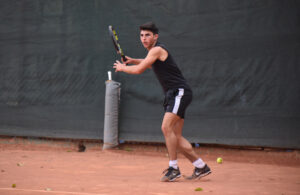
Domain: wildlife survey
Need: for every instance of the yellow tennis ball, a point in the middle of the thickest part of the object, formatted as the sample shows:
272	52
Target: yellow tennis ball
219	160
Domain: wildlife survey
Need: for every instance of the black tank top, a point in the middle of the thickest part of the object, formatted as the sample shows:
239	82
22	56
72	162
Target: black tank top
168	73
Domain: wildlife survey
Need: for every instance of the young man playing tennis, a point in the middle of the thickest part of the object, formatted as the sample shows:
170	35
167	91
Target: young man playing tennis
178	95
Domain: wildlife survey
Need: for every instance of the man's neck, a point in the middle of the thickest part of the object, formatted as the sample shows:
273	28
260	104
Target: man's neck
152	45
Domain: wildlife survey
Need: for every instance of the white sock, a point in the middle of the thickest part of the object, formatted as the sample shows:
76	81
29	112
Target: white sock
173	163
199	163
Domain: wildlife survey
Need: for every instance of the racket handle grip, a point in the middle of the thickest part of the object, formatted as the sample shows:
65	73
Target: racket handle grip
123	58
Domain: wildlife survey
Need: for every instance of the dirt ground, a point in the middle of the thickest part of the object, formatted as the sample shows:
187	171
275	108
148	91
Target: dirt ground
55	167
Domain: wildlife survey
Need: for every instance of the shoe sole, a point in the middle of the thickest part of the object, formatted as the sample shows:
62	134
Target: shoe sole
196	178
178	176
203	175
168	180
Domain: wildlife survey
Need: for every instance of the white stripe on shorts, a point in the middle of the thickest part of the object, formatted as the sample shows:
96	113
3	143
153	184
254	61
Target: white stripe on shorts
177	100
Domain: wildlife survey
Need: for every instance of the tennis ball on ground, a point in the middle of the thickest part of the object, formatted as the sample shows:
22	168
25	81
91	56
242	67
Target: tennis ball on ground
219	160
198	189
13	185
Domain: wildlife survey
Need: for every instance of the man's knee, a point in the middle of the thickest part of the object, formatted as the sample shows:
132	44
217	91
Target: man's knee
167	129
169	122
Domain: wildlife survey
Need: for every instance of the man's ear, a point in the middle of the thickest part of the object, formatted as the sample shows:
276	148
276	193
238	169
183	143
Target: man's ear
156	36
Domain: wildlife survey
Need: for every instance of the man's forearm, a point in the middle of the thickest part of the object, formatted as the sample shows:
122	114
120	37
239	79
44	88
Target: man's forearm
136	61
134	69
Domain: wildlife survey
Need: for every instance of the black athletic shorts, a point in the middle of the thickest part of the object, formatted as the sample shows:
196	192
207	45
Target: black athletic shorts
177	100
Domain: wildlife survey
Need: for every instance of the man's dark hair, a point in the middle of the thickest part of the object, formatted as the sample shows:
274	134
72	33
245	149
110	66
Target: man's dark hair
149	26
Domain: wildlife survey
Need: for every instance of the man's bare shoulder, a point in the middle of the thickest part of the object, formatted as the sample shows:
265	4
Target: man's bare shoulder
156	49
159	52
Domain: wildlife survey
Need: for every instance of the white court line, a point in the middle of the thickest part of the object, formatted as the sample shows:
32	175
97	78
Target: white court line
52	191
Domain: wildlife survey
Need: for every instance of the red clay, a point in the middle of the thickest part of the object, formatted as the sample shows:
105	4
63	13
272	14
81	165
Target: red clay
56	168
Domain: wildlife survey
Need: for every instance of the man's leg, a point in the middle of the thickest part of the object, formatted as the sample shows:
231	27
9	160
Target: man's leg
201	169
168	125
184	146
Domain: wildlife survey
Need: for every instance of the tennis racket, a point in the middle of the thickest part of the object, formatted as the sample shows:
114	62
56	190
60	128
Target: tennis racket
115	40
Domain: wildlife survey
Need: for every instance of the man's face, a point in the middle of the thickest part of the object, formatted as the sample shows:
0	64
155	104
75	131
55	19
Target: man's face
148	38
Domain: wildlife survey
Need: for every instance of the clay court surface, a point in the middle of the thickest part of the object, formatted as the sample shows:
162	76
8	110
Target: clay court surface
56	167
